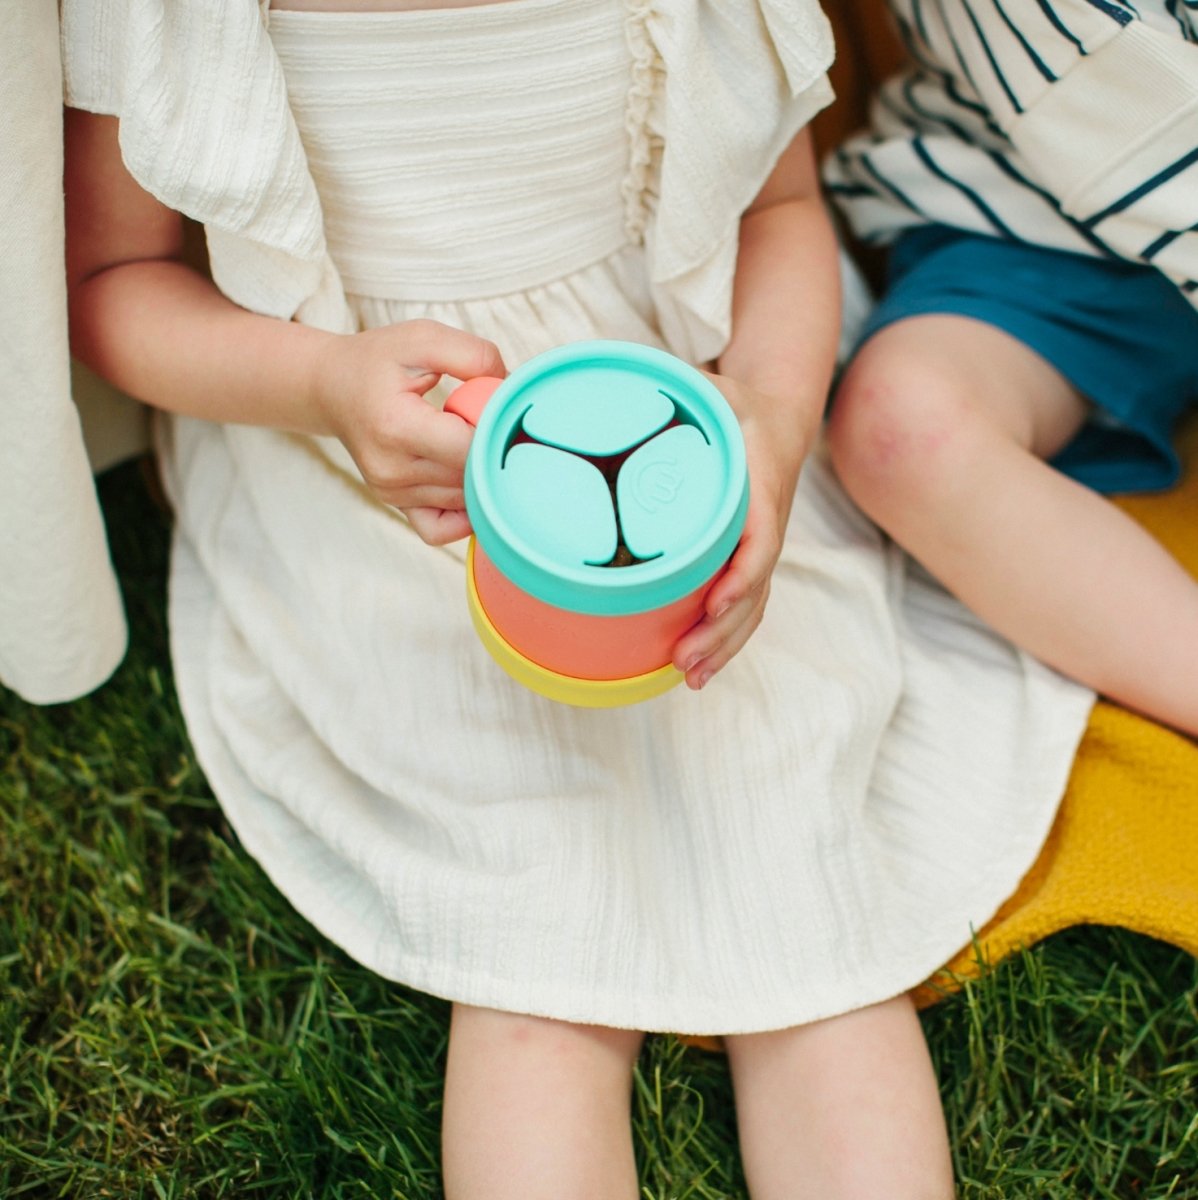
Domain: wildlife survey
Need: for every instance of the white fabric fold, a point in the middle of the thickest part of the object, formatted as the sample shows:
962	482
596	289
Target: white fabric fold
62	629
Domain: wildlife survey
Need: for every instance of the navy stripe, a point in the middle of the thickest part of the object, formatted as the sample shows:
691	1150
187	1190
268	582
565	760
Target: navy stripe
968	192
917	17
1147	186
977	28
1060	26
1088	235
893	189
1183	19
857	191
951	90
1182	23
957	50
885	100
928	115
1039	63
1116	14
1154	248
1166	239
934	68
945	85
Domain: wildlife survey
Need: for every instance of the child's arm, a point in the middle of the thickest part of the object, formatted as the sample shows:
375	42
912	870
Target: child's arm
775	372
161	332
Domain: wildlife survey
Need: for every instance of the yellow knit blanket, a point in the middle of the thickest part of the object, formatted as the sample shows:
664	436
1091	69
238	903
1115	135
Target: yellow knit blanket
1124	847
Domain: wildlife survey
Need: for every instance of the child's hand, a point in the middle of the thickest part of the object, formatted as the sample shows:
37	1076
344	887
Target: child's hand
776	442
370	391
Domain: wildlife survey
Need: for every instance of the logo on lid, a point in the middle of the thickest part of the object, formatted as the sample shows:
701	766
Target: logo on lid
658	482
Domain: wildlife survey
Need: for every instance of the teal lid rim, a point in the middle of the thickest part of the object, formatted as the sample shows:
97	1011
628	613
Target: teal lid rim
607	591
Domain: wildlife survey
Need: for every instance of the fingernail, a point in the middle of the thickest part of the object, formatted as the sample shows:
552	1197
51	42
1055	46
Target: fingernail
690	662
703	679
723	608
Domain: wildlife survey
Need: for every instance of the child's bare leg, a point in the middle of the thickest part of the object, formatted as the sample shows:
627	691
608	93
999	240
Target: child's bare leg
938	432
537	1108
842	1109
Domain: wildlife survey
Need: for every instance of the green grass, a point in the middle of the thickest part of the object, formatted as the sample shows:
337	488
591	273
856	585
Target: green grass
170	1028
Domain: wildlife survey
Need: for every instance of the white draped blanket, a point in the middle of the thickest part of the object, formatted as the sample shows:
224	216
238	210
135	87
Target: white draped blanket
62	631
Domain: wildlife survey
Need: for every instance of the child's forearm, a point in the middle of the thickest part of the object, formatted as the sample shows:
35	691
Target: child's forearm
166	335
786	310
153	326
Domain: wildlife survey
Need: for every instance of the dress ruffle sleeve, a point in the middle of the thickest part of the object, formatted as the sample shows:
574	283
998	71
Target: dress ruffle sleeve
205	128
737	82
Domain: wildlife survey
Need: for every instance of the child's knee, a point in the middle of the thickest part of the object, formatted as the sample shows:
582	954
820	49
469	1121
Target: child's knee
900	425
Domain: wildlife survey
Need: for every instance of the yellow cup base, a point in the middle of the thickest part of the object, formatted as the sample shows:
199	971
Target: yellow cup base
566	689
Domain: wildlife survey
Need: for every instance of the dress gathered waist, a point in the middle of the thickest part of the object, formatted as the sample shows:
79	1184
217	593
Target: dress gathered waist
437	207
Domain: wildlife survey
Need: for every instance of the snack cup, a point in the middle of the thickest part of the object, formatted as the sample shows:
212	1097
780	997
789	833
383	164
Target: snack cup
607	488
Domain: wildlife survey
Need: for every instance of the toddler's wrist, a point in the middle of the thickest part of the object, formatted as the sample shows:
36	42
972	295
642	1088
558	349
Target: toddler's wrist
785	417
327	378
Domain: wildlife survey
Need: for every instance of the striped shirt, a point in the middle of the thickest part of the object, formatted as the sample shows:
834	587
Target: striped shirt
1066	123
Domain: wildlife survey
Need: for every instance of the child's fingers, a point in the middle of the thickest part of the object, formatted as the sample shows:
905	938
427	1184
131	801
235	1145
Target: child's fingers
725	639
706	638
734	605
752	563
415	427
406	482
408	444
433	497
437	526
702	637
448	351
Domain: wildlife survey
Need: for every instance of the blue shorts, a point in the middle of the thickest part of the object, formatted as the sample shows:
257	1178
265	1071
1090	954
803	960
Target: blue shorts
1120	332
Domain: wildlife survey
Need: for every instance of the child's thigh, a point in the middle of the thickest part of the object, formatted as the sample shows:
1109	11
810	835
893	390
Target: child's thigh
486	1046
847	1106
536	1109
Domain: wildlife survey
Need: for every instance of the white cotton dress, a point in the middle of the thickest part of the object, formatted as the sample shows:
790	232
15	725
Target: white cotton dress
819	829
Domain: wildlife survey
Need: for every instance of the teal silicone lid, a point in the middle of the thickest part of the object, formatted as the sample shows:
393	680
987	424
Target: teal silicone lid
607	451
